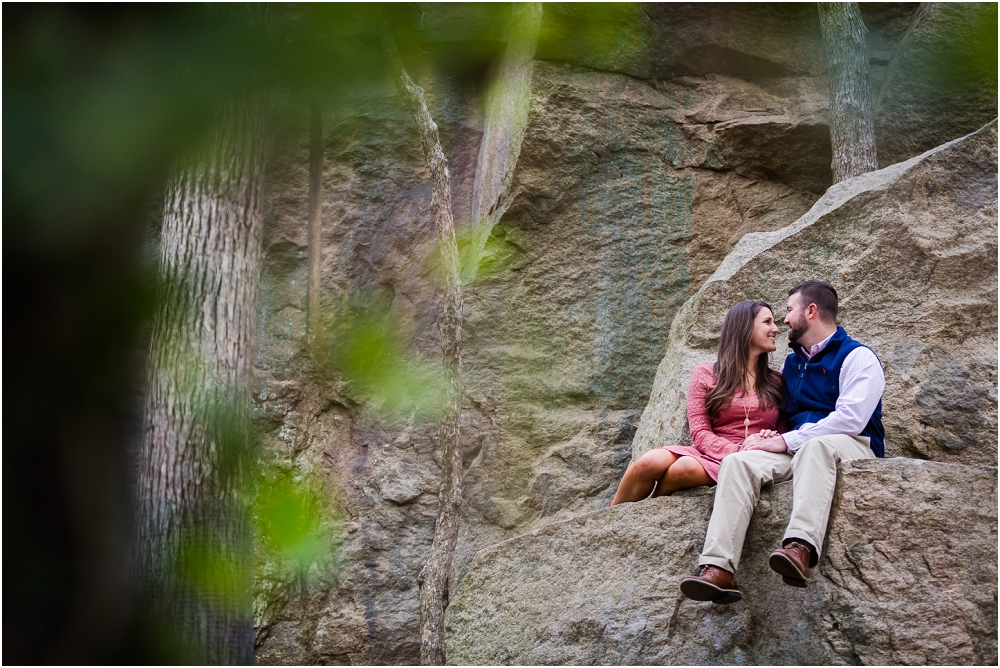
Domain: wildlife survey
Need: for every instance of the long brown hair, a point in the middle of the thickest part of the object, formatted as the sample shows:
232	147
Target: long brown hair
730	368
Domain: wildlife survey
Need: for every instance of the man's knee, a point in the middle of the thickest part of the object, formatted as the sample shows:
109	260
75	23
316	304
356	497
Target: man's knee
821	448
738	464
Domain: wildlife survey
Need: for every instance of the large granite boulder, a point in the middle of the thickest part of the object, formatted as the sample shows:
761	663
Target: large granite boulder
908	576
912	251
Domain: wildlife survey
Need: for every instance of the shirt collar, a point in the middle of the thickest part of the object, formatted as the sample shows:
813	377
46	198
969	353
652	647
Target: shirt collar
818	348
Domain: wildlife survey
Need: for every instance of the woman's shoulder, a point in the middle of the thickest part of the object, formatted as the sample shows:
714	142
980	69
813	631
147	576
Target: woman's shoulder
704	373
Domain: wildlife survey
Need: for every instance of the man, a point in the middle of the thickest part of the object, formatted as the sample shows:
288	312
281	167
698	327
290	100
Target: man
833	400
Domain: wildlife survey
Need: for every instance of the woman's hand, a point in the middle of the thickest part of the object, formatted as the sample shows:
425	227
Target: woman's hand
763	434
769	443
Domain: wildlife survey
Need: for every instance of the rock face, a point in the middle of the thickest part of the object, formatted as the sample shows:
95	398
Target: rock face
945	68
637	175
908	576
912	252
659	41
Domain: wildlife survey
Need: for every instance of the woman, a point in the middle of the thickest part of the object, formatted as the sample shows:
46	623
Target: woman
729	403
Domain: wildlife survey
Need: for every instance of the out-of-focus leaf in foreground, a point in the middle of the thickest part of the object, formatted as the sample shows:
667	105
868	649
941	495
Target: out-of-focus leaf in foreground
293	517
364	346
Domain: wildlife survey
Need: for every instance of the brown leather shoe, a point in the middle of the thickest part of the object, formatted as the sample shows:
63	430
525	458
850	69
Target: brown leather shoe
792	563
714	584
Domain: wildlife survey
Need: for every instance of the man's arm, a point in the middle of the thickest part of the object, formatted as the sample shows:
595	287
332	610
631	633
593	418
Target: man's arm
861	385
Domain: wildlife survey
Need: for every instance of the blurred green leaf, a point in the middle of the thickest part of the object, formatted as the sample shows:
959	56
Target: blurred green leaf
292	517
602	34
214	570
501	253
364	346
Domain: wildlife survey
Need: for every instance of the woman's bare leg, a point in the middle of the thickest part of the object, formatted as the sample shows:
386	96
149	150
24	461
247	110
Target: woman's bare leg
684	473
642	474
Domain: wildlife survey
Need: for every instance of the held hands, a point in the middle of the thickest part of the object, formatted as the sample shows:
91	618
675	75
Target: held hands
767	440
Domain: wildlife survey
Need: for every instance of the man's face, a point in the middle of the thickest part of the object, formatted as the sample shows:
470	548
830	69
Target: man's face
796	319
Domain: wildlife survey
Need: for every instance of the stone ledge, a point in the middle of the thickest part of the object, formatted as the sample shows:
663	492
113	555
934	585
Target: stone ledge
908	576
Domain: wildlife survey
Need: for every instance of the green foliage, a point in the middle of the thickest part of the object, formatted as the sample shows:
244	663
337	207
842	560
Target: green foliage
296	530
501	252
213	569
972	59
601	33
365	345
293	518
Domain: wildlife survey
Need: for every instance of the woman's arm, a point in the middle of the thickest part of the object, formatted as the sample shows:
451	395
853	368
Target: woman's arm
702	435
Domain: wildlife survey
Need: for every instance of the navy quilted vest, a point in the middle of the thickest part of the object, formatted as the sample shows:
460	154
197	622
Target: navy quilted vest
813	385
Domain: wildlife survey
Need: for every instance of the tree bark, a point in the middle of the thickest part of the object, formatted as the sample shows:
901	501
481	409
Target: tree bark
852	114
433	577
508	101
315	224
193	539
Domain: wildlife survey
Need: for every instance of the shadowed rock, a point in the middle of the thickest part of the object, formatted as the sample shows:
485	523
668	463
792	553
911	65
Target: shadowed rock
941	82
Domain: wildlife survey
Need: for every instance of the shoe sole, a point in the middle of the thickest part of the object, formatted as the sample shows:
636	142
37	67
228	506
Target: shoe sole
729	597
794	582
789	572
698	590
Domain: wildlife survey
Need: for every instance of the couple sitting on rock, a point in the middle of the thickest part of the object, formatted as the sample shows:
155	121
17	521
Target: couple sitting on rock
752	427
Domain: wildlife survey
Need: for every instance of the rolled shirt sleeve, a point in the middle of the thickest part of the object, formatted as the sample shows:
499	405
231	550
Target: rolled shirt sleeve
861	385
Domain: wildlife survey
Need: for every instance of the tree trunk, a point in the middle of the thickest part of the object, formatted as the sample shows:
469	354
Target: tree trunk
193	539
315	224
852	115
508	101
434	575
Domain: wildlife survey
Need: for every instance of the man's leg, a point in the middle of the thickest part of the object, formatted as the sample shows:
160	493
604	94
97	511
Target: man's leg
814	470
741	476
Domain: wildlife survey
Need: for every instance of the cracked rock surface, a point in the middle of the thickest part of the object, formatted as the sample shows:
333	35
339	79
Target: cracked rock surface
908	576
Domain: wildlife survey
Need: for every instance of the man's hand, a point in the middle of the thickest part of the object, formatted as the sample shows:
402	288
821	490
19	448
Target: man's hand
767	443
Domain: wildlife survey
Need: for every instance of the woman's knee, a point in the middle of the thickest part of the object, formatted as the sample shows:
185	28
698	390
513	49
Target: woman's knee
651	465
686	469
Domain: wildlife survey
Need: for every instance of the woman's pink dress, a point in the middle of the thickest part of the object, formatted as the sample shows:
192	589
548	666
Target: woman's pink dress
713	439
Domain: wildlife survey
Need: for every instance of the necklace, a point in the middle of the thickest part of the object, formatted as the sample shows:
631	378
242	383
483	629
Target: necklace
746	421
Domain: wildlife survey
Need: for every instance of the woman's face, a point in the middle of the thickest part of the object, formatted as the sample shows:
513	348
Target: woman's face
763	332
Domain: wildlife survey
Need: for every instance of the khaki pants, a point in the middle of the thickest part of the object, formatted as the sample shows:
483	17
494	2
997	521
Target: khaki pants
741	476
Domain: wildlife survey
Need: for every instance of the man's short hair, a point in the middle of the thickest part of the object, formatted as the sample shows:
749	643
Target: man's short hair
822	295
